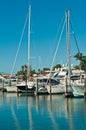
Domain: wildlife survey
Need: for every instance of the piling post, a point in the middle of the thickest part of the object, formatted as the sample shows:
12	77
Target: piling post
9	82
50	85
65	84
37	86
17	90
3	84
85	88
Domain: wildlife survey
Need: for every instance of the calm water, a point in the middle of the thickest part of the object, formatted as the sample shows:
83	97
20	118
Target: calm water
41	113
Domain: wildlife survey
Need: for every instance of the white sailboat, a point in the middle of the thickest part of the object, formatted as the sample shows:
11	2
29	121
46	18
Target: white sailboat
74	85
77	87
28	86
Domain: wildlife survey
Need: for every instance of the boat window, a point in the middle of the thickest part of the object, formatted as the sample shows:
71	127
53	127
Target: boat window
75	77
43	80
53	82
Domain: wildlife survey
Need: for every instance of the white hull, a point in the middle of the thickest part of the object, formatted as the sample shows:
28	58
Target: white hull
11	89
41	91
58	89
78	90
78	94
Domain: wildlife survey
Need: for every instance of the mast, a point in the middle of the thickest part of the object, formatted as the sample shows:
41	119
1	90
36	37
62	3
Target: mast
68	41
28	67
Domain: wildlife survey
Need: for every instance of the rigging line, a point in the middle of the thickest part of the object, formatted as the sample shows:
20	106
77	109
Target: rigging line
58	31
59	28
19	44
75	37
57	46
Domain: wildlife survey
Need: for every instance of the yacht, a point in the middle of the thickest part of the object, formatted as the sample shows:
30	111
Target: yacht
40	84
56	87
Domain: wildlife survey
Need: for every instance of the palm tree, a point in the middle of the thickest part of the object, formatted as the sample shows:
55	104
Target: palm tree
57	66
82	60
78	56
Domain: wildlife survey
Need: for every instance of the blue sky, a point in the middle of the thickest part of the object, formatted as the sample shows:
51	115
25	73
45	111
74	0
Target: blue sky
46	17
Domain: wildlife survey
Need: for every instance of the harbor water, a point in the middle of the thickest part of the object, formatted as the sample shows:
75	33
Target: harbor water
20	112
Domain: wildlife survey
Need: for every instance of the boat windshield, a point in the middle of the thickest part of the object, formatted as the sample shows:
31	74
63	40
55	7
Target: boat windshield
53	82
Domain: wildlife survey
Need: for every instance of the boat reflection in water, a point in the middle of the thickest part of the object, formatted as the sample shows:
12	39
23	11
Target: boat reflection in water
40	112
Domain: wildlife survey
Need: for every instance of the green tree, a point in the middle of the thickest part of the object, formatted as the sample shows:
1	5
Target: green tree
23	71
78	56
83	63
32	72
57	66
82	60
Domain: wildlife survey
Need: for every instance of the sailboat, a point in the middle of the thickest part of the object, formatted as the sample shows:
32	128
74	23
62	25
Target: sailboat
76	85
28	86
73	87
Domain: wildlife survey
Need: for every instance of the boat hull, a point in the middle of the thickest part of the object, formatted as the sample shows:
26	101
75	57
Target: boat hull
78	90
25	89
11	89
58	89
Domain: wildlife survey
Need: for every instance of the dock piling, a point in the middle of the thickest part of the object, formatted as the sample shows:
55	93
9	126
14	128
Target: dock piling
36	86
85	88
50	85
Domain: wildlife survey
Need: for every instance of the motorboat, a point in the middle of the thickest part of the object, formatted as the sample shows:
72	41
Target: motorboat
24	87
56	87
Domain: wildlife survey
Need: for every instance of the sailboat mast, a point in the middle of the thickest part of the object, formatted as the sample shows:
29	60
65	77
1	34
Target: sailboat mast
28	67
68	41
